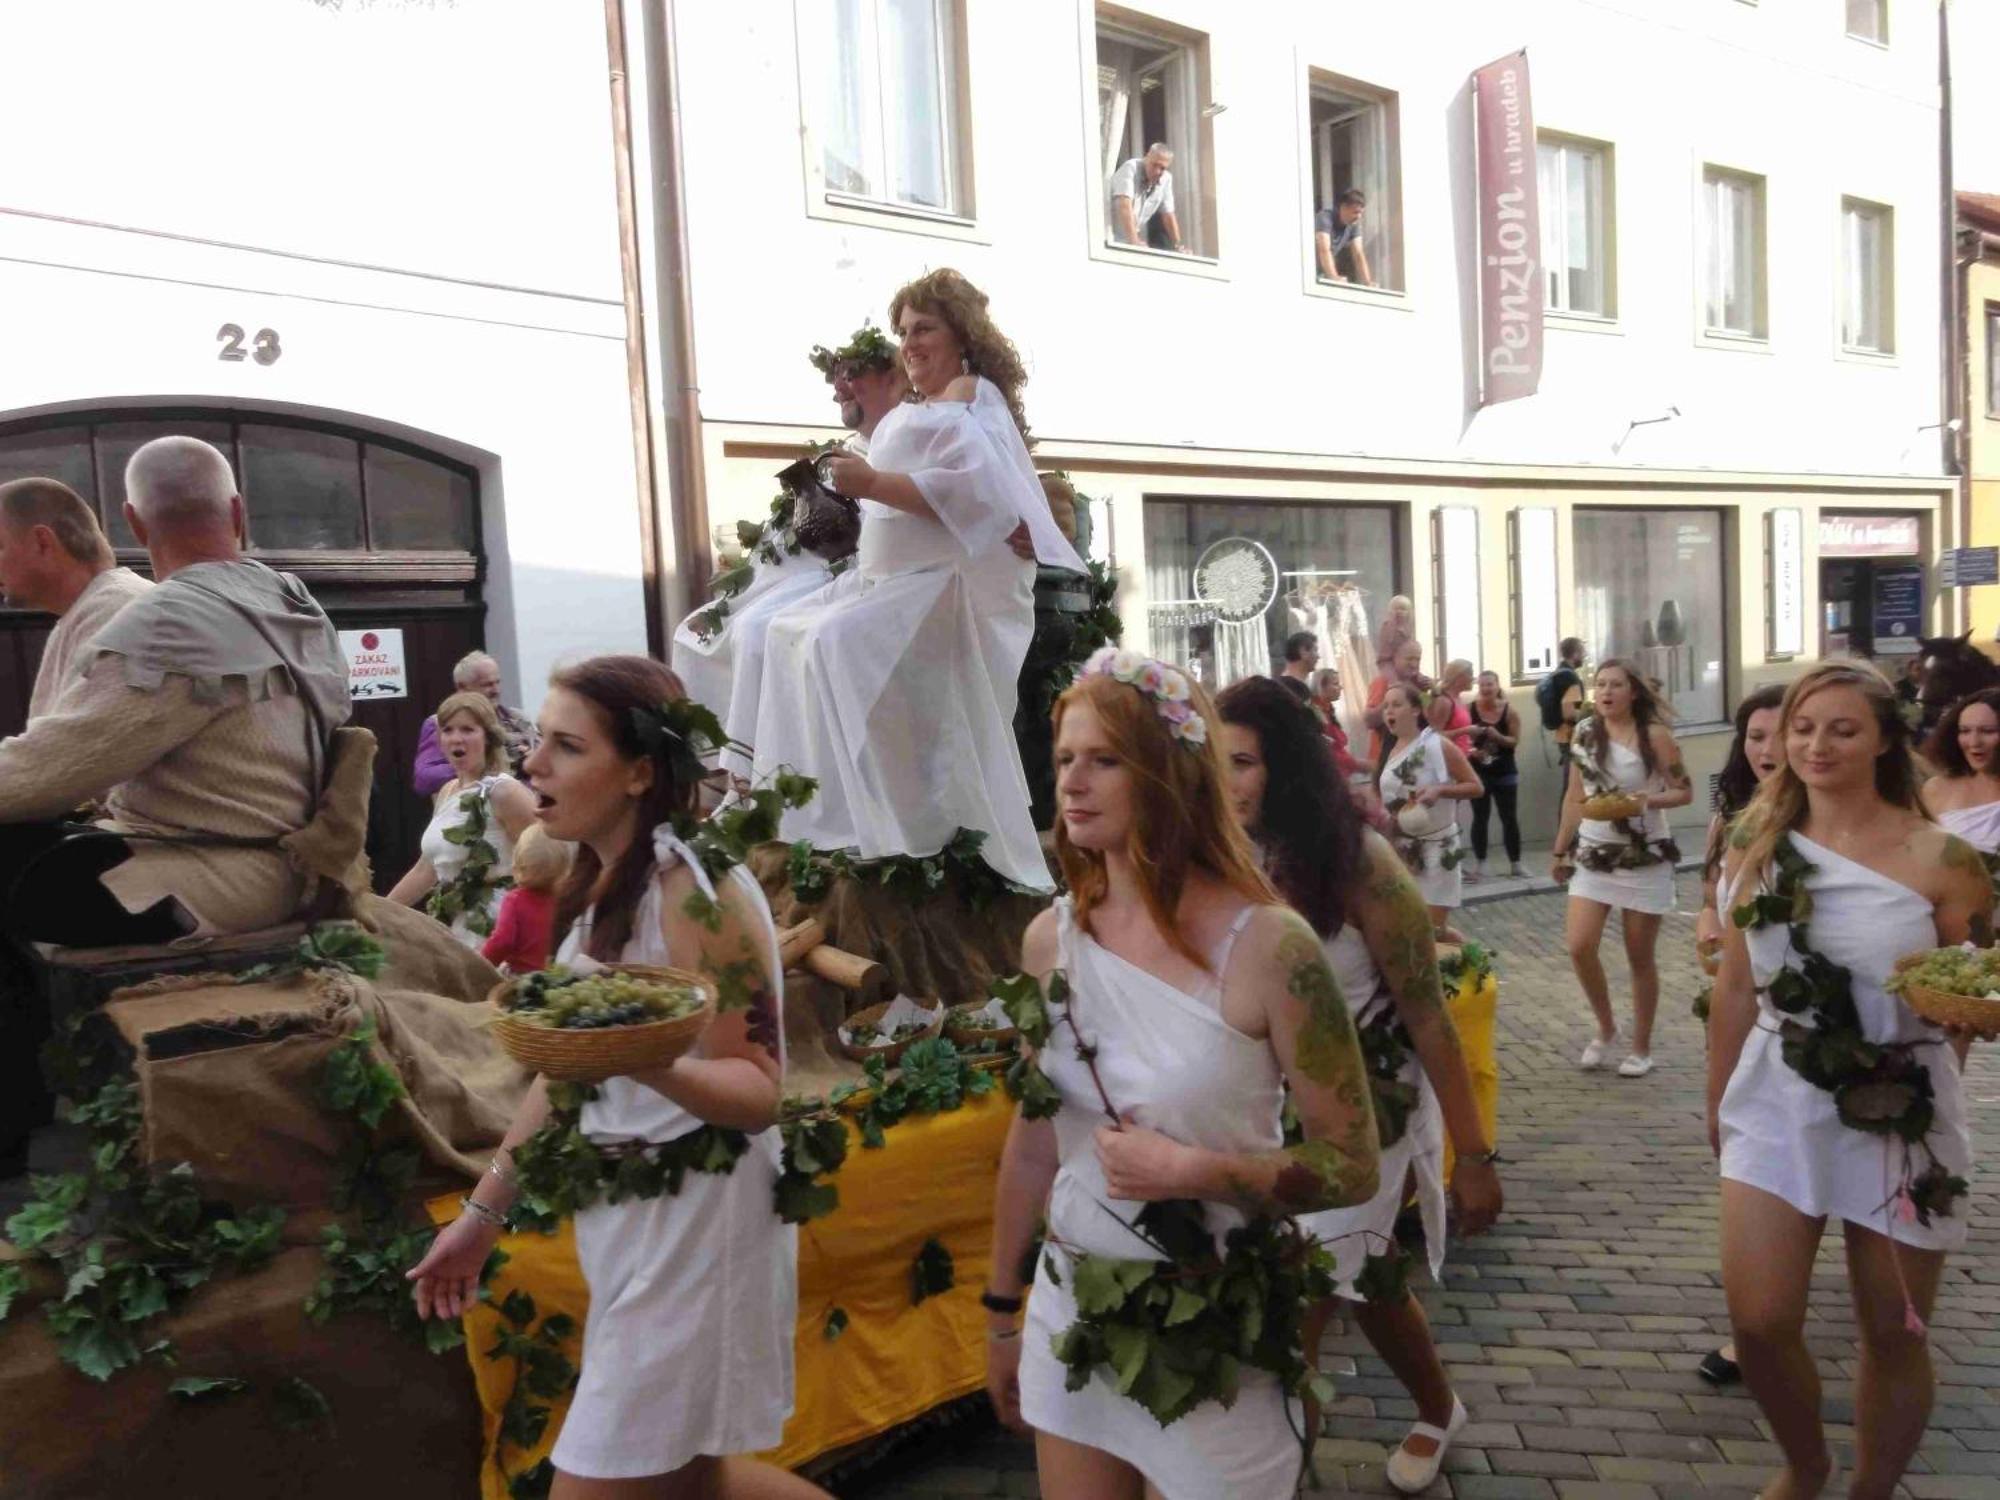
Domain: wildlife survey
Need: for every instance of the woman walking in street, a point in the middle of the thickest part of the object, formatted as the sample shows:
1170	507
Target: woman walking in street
1965	749
1184	1002
1614	851
693	1294
1422	771
1357	895
1496	730
1827	1096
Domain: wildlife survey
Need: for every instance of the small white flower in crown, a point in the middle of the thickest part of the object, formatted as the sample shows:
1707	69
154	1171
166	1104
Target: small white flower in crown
1167	686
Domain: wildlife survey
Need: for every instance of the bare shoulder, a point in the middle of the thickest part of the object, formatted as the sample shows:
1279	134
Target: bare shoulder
1038	943
1276	941
962	388
1662	738
1953	860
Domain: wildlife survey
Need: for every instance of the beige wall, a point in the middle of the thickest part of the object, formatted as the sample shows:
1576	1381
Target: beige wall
1983	440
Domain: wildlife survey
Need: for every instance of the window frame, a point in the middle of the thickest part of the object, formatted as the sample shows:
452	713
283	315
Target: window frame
1606	153
1518	592
1725	565
1852	204
1881	20
1195	158
1993	361
1708	178
811	19
1385	202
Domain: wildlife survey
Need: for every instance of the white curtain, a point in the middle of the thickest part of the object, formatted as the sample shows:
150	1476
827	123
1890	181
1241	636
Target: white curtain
1241	650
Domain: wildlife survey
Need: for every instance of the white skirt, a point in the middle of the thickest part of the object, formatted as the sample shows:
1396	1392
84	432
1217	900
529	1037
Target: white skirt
1648	890
1354	1234
1442	887
693	1305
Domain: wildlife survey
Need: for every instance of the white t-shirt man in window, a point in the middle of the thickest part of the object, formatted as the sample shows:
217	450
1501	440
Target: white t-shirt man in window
1142	201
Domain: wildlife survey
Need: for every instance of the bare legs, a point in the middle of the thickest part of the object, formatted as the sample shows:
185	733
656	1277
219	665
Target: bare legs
702	1479
1583	931
1893	1387
1075	1471
1401	1334
1642	936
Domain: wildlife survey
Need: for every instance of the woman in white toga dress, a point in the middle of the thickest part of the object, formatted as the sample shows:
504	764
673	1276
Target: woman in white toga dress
1800	1011
896	689
1166	1062
1423	777
687	1354
1964	749
465	861
1623	748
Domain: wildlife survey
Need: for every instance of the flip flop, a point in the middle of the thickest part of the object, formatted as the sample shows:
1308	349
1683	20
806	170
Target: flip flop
1413	1475
1717	1370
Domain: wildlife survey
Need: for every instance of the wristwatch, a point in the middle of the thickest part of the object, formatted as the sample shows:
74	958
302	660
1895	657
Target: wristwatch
1481	1158
995	1303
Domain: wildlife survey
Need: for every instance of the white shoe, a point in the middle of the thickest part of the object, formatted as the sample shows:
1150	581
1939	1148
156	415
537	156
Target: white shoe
1638	1065
1413	1475
1515	872
1475	872
1598	1053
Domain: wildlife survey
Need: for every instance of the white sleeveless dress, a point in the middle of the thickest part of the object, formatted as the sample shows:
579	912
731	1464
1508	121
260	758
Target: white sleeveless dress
1354	1234
1649	889
1978	826
1169	1059
448	858
1437	874
693	1297
1782	1134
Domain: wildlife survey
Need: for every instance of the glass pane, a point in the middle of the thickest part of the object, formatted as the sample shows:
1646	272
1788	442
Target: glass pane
1993	363
1866	19
914	107
118	441
59	453
1549	187
844	71
1583	232
1649	588
302	489
416	505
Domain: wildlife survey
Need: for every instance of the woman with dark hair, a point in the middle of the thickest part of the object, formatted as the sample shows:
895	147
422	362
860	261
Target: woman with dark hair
1423	775
1496	731
693	1294
1624	754
1185	1003
1965	748
1828	1097
1359	898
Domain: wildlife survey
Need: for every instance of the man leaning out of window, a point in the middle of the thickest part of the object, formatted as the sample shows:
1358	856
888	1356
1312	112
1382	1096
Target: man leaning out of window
1337	238
1142	201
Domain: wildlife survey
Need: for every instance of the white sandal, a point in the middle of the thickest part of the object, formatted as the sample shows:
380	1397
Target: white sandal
1411	1474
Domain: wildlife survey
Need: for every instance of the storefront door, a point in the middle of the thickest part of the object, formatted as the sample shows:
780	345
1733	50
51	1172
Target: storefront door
1874	592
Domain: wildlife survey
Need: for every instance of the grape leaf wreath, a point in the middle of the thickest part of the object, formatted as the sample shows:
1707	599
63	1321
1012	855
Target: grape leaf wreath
468	894
1639	851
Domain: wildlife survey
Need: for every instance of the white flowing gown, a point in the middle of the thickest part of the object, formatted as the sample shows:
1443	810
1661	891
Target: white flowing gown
895	685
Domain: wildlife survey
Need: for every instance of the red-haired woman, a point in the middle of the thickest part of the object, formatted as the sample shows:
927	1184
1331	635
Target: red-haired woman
688	1349
1194	1000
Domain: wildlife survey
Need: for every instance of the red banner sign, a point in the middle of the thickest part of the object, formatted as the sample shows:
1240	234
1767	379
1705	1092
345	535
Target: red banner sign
1510	233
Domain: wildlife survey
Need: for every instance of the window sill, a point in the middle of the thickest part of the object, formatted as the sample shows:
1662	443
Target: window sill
1392	298
1881	359
1738	343
1868	41
1572	322
901	218
1159	260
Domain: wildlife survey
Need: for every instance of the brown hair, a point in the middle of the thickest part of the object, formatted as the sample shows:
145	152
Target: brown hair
944	293
1780	803
34	502
479	708
1941	749
613	686
1181	817
1648	709
541	862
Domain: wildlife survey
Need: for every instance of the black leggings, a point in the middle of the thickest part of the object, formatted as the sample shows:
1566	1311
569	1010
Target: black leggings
1505	798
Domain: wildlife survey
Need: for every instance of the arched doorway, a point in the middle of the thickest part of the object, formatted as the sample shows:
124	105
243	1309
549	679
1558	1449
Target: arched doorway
385	533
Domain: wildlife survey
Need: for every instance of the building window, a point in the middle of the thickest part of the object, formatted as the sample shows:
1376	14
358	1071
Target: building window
1868	20
1649	588
1319	548
1356	196
1868	256
890	108
1733	253
1992	361
1153	137
1576	226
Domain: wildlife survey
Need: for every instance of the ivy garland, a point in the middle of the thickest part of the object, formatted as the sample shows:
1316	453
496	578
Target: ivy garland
765	543
467	894
1638	851
958	867
1415	852
1877	1087
1385	1052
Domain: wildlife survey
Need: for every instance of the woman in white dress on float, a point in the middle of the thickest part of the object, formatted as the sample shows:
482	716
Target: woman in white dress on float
1964	749
1626	865
1196	1001
897	692
1423	771
687	1353
471	737
1840	817
1357	894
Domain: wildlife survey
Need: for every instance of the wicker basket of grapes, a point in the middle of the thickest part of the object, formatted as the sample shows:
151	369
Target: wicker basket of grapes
583	1028
1613	807
888	1031
1952	987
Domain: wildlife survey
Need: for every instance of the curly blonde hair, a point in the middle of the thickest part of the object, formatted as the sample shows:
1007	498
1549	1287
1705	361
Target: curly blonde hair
944	293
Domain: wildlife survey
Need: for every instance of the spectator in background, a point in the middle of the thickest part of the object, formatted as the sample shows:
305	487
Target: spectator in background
1326	698
1301	660
1337	238
1560	697
476	672
525	929
1496	730
1405	667
1399	624
1447	712
1142	201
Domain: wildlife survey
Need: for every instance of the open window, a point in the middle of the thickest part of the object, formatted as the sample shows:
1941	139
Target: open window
1152	92
1357	209
1867	277
1576	198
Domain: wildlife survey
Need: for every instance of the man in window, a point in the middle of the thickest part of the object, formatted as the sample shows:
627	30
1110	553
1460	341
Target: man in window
1142	201
1337	237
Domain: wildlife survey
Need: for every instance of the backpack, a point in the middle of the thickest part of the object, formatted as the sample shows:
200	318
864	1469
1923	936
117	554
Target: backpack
1549	695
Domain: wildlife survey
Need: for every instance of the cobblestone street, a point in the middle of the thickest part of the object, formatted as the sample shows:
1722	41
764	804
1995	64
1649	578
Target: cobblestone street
1572	1329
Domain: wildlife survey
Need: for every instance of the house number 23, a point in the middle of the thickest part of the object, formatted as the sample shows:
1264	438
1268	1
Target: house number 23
264	348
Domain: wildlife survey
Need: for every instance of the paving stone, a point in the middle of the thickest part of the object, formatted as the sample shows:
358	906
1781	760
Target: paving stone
1547	1465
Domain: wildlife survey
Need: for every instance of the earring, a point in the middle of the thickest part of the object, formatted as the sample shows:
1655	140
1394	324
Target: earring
965	364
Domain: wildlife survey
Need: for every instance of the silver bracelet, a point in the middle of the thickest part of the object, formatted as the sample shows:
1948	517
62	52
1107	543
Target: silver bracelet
492	1216
506	1174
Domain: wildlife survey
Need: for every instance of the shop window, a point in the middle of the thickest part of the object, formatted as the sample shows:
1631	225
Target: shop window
1649	588
889	112
1336	571
1356	198
1992	361
1576	194
1868	21
1733	253
1152	113
61	454
302	489
1868	266
415	505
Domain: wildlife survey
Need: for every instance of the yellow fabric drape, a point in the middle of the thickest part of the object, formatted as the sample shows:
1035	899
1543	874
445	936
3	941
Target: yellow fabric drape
1475	1011
934	1179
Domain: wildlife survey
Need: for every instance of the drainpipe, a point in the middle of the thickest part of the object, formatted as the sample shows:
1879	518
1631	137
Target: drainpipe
1952	342
635	328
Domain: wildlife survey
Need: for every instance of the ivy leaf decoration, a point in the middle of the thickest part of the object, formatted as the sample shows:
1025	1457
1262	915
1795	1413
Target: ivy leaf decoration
533	1484
356	1082
198	1387
931	1274
1028	1012
13	1282
47	1215
835	1325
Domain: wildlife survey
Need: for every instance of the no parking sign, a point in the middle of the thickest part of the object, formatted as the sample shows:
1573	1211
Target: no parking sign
374	664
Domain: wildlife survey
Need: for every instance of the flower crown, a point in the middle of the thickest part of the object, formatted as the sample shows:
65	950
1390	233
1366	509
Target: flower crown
1167	686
